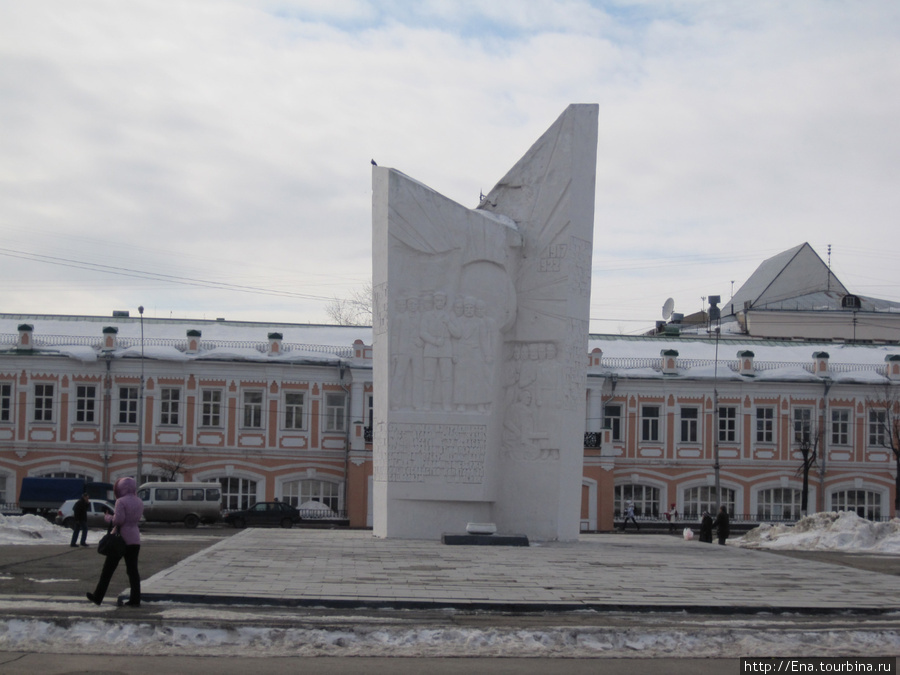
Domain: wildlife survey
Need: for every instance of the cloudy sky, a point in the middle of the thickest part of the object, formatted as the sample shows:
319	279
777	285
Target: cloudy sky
210	158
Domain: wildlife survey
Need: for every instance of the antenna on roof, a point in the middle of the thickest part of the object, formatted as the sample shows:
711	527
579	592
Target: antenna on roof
828	287
667	309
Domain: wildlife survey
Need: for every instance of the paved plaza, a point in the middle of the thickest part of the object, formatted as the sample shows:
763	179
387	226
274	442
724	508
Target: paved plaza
600	572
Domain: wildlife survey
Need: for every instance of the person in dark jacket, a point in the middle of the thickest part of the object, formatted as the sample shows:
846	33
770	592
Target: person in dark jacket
706	528
129	509
722	525
79	515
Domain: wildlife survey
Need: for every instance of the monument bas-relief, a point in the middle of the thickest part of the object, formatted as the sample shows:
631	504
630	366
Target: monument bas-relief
480	344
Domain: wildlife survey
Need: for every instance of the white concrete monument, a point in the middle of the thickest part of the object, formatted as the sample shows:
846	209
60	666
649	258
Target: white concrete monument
480	354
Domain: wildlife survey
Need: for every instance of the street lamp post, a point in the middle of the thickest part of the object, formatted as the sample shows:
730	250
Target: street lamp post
716	423
823	443
140	450
715	315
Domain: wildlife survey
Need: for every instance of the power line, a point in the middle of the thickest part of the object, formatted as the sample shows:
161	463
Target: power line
154	276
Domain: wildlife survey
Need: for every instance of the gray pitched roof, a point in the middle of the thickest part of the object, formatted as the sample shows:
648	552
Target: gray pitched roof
797	272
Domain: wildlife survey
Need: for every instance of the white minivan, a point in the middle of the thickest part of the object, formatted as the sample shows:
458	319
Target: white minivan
188	503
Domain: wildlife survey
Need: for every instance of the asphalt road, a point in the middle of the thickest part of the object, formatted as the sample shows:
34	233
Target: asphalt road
48	664
41	569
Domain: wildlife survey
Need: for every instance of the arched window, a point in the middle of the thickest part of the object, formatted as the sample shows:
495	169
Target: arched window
778	504
325	492
703	498
645	498
65	474
865	503
237	493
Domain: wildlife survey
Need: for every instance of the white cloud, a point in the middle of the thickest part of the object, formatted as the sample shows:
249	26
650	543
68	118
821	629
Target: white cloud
230	141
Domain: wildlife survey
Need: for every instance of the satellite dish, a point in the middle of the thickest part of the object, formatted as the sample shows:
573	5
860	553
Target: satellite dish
667	308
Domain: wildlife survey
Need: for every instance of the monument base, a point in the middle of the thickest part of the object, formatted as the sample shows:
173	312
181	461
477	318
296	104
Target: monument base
484	539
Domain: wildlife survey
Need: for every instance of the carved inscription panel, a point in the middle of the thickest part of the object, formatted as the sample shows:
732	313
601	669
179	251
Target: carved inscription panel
445	453
580	274
574	372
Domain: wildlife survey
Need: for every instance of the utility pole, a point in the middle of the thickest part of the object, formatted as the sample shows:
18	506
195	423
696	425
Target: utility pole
823	451
715	315
140	450
107	415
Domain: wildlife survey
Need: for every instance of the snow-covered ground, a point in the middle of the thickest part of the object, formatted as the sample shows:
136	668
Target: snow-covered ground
199	630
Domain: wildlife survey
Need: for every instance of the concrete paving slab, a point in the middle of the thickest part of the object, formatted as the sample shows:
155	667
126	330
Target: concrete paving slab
600	572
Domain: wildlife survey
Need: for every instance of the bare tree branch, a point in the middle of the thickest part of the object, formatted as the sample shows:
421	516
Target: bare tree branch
172	466
355	310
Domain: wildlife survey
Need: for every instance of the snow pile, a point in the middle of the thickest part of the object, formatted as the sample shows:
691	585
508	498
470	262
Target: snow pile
830	531
696	639
29	529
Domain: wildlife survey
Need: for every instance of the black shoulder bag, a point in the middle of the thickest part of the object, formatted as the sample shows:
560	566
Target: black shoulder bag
111	543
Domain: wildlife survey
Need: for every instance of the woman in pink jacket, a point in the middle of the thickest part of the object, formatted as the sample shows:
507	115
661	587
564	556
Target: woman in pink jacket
129	509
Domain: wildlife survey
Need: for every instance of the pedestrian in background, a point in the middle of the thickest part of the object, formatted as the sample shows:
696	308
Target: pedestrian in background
629	515
706	528
672	516
79	516
129	509
722	525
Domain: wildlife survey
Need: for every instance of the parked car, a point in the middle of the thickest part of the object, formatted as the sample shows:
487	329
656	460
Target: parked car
65	516
265	514
45	496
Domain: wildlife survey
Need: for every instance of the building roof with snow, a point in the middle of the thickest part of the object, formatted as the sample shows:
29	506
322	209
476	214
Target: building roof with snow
82	337
708	358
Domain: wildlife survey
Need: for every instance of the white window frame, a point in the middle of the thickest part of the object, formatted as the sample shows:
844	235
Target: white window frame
877	421
210	410
329	493
690	425
238	492
848	499
646	498
335	412
779	503
727	424
765	424
370	410
693	504
169	407
6	402
44	399
294	413
249	420
841	433
802	425
650	424
613	422
128	404
85	403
